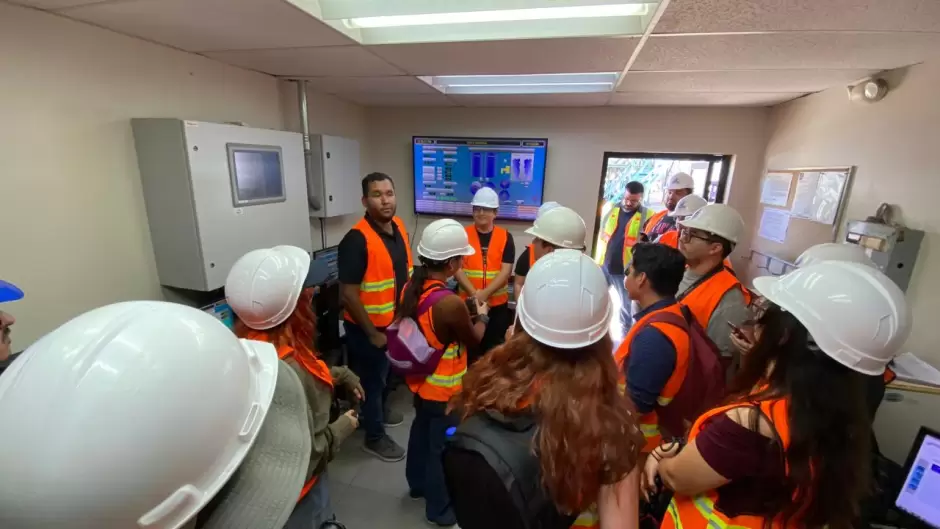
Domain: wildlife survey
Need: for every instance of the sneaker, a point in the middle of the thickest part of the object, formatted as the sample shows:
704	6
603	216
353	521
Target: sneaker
393	418
447	521
415	495
385	449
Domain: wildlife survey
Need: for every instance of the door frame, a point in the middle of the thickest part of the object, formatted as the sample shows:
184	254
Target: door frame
710	158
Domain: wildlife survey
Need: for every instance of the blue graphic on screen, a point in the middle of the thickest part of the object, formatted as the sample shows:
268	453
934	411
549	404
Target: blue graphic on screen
449	171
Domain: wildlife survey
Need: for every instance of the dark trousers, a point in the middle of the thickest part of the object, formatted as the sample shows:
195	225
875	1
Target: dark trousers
371	364
424	469
500	320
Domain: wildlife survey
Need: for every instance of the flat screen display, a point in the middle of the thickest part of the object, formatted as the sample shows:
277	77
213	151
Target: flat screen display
449	171
257	174
920	494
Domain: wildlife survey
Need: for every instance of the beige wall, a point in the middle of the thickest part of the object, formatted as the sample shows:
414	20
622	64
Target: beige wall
895	145
577	140
74	226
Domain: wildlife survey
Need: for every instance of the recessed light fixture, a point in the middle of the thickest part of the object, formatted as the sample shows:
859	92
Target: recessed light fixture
562	83
502	15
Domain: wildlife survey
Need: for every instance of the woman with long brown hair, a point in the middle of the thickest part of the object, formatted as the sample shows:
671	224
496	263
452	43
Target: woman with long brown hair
556	379
791	448
271	292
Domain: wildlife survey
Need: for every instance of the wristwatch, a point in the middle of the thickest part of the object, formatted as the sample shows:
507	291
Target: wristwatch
483	318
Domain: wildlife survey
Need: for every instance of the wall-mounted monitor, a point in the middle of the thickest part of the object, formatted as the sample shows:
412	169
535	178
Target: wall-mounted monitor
257	174
449	171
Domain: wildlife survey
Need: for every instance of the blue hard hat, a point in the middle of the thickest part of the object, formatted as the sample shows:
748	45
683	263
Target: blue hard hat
9	292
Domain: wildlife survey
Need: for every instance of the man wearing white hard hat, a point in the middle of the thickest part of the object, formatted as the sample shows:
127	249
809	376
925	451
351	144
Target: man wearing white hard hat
714	294
151	414
445	322
678	186
485	274
686	207
559	227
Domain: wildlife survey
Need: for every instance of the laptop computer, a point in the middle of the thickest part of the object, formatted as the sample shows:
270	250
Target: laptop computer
920	493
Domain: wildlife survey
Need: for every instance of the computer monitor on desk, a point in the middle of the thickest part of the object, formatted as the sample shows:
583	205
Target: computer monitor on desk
920	493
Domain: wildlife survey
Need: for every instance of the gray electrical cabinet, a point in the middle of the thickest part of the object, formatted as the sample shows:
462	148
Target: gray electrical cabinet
214	192
893	248
334	181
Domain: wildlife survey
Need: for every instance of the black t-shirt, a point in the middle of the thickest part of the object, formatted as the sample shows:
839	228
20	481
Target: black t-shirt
522	264
613	261
509	251
665	224
353	257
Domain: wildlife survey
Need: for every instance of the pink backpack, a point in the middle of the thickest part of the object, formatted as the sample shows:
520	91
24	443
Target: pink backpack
408	350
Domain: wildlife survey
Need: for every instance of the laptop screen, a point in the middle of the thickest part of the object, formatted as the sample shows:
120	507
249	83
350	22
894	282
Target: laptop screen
920	495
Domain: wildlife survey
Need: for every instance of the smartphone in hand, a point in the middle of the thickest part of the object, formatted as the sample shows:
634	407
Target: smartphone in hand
737	330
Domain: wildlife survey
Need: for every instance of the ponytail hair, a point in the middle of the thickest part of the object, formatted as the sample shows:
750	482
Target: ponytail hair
411	294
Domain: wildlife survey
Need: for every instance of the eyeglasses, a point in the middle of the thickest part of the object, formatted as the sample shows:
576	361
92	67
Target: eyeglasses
686	235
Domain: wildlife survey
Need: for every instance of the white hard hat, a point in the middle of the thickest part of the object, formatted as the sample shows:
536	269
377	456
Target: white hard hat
546	207
688	205
680	181
264	285
565	302
833	251
717	219
485	198
854	313
130	415
562	227
443	239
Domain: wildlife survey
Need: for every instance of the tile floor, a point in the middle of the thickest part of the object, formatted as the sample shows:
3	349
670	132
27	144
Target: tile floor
371	494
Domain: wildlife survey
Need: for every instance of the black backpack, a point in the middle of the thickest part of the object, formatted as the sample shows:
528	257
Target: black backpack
506	446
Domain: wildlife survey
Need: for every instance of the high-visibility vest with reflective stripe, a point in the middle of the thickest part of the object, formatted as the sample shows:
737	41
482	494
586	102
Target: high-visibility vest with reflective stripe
315	366
649	422
447	379
632	233
671	239
700	511
704	298
654	220
481	269
377	290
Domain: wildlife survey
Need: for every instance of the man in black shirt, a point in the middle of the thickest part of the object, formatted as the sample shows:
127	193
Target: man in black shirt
379	242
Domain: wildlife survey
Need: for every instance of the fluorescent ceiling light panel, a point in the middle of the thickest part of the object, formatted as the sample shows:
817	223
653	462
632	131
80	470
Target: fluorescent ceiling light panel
571	83
502	15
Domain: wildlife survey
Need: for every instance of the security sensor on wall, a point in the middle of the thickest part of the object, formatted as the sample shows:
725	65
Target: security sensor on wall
868	91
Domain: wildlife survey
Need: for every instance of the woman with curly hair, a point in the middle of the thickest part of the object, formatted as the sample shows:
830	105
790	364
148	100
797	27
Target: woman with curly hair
556	379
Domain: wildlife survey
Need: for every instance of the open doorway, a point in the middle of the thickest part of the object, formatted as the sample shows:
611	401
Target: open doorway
709	171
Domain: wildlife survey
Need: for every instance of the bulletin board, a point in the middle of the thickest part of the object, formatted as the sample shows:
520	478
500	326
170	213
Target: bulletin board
798	208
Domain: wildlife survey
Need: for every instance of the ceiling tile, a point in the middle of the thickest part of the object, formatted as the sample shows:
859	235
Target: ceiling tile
309	62
404	84
740	81
212	25
532	100
700	98
397	100
779	51
53	4
715	16
511	57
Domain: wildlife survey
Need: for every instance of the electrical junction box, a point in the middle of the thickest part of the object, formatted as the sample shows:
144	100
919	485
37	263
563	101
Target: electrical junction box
894	249
334	180
215	192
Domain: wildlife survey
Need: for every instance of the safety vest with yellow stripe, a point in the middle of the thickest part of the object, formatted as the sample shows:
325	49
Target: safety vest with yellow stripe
701	511
631	234
377	289
480	269
447	379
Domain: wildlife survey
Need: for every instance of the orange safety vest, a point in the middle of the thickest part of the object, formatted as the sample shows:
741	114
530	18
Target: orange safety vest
447	379
630	236
654	220
377	290
482	269
703	299
314	366
700	511
531	256
889	375
649	422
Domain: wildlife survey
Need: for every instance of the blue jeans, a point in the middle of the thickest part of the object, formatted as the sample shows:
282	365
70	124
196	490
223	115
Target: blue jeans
314	509
424	469
371	365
